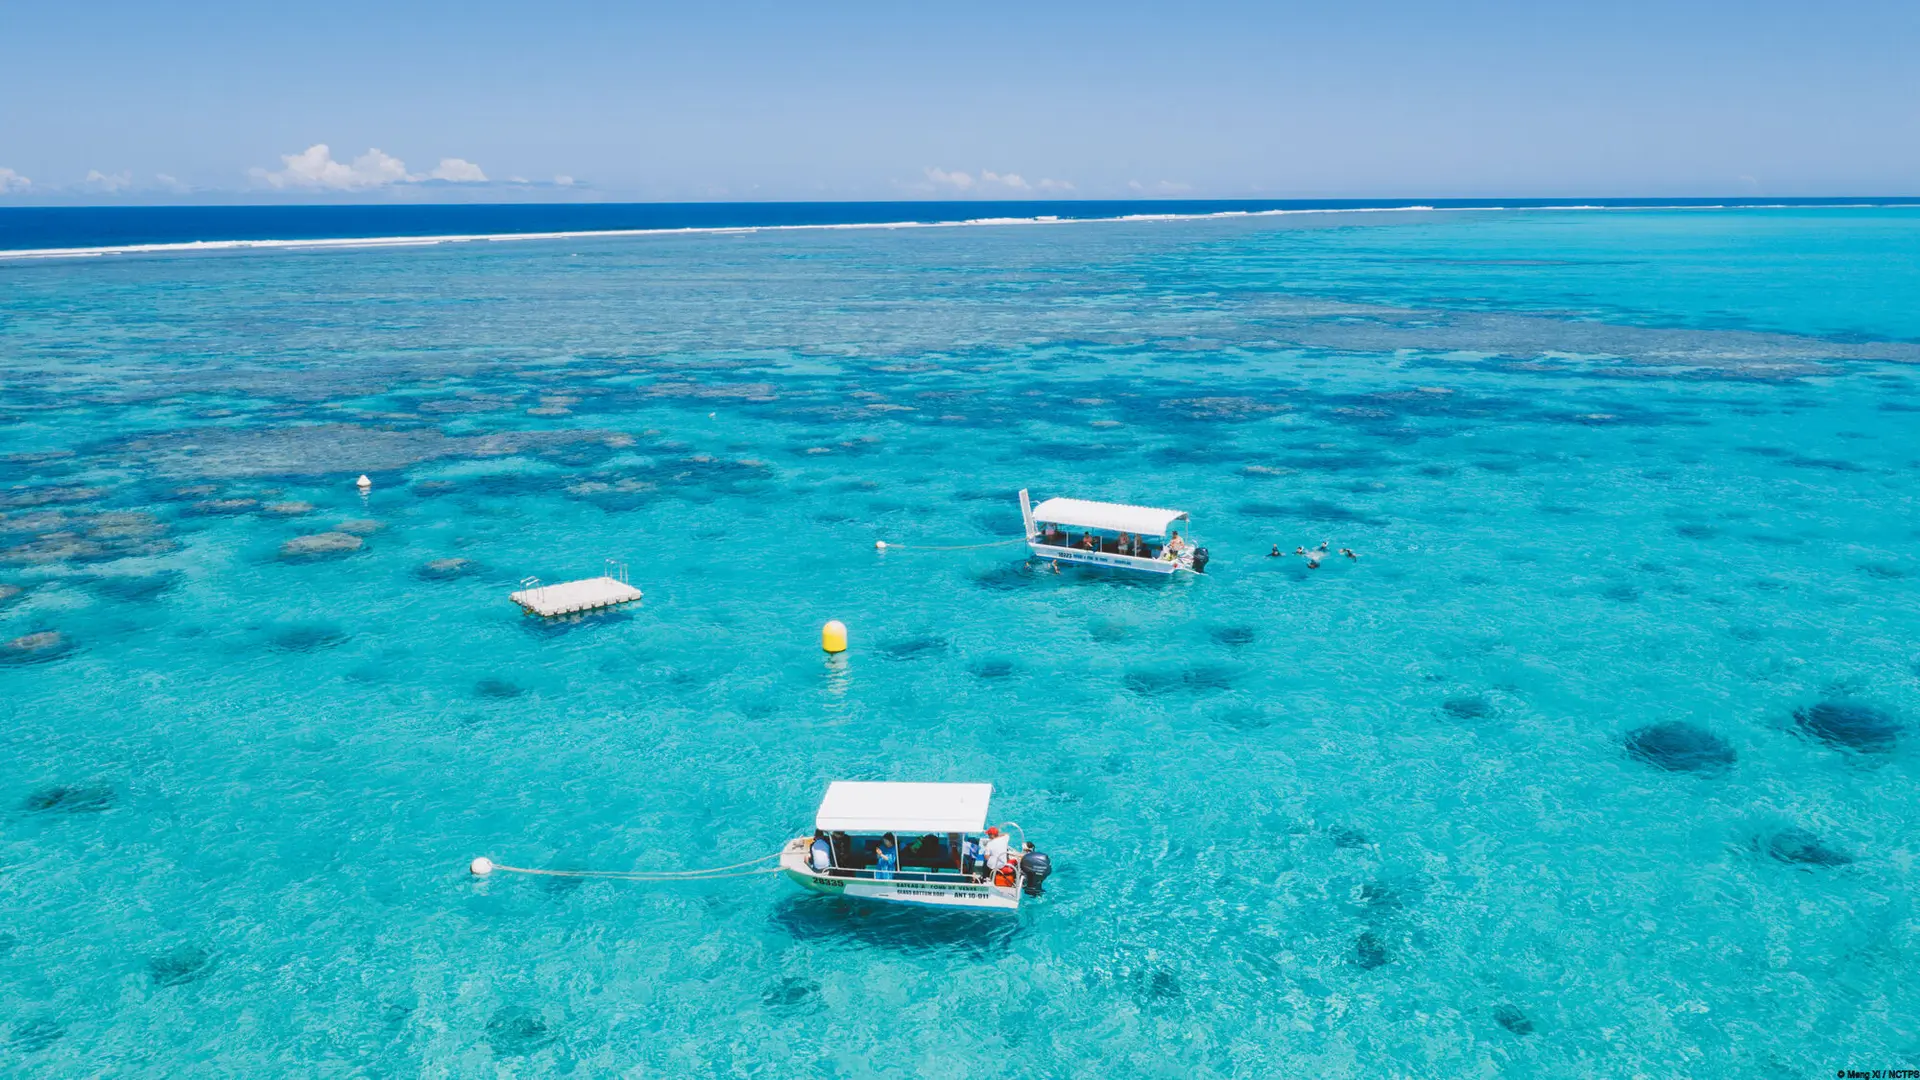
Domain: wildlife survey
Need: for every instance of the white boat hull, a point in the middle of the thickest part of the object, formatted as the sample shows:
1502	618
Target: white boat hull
1101	558
945	893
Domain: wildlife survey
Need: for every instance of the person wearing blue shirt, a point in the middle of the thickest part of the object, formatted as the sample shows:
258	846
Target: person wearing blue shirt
821	853
887	859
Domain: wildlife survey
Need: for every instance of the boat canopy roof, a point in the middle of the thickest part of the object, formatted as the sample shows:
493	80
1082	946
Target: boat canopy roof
1114	517
861	806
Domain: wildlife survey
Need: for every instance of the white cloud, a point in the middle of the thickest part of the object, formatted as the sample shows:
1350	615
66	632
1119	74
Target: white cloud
99	181
314	169
942	178
1163	187
457	171
989	182
11	181
563	180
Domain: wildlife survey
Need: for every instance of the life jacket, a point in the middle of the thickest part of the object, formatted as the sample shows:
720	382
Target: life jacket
1004	875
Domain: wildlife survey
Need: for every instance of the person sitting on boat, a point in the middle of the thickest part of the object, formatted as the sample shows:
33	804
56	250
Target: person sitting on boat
970	857
820	854
996	849
1175	545
887	859
1035	868
1090	542
924	852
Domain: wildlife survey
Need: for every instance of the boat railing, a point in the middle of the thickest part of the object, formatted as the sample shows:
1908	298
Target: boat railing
865	873
1071	549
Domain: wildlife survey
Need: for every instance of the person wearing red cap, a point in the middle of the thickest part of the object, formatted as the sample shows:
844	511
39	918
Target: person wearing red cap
996	850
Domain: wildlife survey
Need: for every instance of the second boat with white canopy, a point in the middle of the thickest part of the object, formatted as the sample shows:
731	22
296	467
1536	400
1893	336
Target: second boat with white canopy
1121	535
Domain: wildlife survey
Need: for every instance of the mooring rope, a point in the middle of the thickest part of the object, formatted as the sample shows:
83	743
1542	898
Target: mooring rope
891	546
711	874
614	875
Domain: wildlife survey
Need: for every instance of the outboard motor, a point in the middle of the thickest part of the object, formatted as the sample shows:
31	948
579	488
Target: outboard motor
1034	868
1199	560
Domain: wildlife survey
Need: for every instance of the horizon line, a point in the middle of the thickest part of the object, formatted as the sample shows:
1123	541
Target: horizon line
360	203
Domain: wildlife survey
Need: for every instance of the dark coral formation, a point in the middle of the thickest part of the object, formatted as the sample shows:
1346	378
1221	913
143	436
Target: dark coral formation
70	799
1798	847
1848	725
1680	747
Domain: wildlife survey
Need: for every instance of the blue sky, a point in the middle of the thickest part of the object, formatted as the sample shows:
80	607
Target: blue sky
218	101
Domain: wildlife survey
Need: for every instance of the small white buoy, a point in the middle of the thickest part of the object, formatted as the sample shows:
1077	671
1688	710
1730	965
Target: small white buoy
364	484
481	866
879	545
711	415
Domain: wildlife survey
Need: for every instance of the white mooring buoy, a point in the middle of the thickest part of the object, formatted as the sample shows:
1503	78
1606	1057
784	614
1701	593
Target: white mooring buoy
364	483
879	545
481	866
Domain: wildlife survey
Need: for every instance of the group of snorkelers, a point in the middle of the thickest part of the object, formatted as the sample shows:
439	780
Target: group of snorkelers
978	858
1313	556
1175	546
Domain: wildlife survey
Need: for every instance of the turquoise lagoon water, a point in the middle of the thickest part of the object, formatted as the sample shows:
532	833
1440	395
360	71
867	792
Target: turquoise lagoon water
1421	814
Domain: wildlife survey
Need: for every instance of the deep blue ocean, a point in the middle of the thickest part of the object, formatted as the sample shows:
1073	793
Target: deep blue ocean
42	228
1602	759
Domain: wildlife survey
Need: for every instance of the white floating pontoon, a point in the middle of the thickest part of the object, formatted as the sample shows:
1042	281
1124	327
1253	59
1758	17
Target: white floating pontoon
925	844
575	597
1129	537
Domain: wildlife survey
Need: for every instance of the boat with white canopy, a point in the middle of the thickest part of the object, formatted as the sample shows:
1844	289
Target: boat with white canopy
914	843
1145	538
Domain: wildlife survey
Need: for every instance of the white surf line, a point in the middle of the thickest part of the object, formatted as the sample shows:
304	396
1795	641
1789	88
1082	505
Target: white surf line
192	246
686	230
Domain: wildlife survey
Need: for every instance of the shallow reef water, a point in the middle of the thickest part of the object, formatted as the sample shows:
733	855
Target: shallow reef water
1598	759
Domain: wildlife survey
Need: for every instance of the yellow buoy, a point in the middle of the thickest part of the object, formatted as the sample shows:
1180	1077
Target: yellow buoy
833	636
